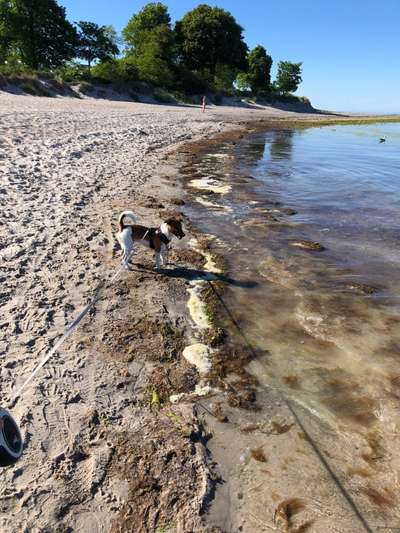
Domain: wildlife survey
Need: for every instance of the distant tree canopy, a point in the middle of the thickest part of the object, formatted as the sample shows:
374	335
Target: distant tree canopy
150	42
38	31
288	77
257	78
204	51
210	36
95	42
259	72
139	28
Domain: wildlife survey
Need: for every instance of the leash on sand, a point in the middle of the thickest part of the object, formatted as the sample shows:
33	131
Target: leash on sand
11	442
352	504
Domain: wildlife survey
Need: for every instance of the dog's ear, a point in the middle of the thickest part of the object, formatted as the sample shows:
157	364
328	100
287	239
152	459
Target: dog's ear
173	222
168	216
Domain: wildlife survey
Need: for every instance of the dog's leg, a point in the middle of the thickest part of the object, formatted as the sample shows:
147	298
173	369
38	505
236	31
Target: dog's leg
158	255
127	255
128	250
126	260
164	257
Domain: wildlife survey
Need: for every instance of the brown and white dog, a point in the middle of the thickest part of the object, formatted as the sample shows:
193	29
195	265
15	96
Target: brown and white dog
157	239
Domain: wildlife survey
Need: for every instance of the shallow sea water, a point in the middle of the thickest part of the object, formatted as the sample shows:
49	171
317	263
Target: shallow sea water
326	323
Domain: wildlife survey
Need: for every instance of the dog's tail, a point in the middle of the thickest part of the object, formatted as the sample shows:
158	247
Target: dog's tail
128	214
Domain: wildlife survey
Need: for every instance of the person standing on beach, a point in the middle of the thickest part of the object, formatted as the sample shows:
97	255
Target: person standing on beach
204	103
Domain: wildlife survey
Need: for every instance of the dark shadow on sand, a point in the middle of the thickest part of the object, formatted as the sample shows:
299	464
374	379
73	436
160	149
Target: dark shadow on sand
194	274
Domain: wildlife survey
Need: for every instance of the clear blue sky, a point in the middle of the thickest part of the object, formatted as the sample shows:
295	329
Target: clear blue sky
350	49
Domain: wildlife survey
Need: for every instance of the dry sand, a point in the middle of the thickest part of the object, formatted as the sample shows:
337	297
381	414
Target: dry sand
99	453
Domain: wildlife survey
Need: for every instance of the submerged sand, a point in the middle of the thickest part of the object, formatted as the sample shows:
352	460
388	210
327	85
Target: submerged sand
101	453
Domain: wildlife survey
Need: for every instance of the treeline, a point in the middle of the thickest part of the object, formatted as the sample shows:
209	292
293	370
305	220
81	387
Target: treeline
203	52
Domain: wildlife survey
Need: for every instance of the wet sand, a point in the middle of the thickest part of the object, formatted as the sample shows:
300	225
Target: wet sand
104	448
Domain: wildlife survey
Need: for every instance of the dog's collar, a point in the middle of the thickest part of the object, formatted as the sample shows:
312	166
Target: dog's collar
163	237
157	231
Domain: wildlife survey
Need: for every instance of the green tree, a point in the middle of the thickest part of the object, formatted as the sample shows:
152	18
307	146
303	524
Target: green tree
95	42
6	26
259	73
140	26
151	44
111	33
210	36
224	77
128	69
242	82
37	31
288	77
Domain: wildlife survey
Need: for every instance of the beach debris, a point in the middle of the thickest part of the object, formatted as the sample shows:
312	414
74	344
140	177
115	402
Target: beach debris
245	399
358	471
258	454
257	222
165	471
284	513
308	245
376	450
292	381
215	411
217	337
382	497
276	426
188	256
395	385
210	184
288	211
197	307
362	287
198	355
155	400
249	428
213	205
177	201
219	414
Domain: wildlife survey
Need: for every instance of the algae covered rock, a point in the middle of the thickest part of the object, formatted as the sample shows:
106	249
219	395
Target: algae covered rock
308	245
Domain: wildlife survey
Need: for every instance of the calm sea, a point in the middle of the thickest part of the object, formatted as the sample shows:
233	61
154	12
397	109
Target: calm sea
327	320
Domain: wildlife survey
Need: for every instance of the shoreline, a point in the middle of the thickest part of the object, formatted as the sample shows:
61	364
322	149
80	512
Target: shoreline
91	410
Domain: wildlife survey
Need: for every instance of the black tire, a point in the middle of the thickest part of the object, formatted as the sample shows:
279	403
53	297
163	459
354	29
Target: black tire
5	458
11	444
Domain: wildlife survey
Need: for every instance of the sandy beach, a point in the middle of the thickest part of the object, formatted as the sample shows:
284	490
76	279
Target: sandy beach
104	448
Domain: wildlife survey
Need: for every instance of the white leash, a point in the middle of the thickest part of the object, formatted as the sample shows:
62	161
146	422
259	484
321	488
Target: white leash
70	329
11	441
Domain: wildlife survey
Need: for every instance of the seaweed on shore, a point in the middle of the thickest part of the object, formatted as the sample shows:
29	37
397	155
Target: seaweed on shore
258	454
171	479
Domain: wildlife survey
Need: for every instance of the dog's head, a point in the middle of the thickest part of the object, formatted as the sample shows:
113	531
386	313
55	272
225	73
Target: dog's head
175	227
